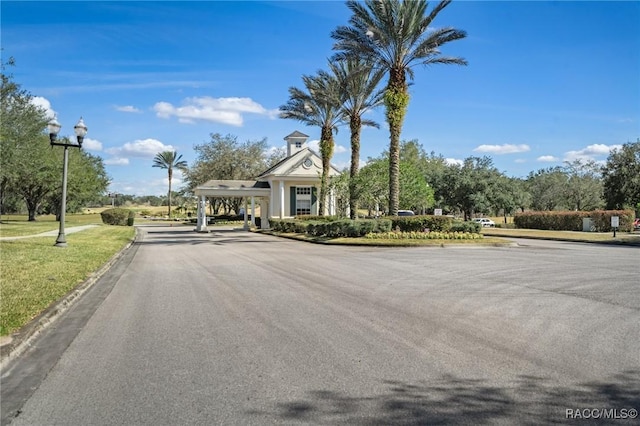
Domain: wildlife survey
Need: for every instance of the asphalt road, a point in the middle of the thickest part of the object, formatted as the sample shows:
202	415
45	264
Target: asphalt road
235	328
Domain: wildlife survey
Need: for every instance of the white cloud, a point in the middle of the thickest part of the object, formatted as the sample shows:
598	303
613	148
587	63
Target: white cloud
453	162
116	161
315	145
342	165
141	148
44	104
520	161
591	152
218	110
548	159
92	144
503	149
127	108
145	148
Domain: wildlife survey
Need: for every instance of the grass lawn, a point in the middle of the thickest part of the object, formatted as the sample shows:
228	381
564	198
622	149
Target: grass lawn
36	274
18	225
590	237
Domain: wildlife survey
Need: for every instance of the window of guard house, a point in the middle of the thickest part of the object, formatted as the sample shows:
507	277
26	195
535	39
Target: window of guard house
303	200
298	144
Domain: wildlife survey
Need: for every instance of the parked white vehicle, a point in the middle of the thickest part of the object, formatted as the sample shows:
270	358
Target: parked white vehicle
486	223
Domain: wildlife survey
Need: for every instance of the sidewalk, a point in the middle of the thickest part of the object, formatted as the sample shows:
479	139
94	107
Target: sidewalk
53	233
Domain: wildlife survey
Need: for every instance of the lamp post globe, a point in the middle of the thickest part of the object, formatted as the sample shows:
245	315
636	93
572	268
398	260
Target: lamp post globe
54	128
80	130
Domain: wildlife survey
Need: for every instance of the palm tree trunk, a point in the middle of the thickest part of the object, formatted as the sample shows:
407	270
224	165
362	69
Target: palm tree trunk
355	125
326	151
396	100
169	195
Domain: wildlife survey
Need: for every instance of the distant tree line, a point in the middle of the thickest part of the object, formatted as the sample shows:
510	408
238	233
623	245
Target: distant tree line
477	187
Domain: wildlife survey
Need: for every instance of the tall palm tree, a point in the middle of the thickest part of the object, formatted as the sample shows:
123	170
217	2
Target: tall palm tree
169	160
395	35
358	81
318	106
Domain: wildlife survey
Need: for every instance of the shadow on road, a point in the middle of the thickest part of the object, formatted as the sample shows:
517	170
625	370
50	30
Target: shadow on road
190	237
451	400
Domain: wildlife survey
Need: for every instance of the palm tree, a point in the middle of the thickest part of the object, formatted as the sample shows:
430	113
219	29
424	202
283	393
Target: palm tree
358	81
318	106
395	35
169	160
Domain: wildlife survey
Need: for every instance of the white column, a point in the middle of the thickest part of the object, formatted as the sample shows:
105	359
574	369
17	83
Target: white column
281	199
246	215
253	211
264	217
332	203
272	197
202	215
198	215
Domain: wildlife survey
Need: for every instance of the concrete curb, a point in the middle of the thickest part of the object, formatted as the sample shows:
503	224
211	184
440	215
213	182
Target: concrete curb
445	244
19	341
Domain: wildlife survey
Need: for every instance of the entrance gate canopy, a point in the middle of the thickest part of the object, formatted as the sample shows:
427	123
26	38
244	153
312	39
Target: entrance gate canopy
233	188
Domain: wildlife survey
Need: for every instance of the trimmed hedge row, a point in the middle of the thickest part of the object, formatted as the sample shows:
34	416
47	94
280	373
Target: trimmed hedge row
118	216
420	223
333	229
330	226
469	226
572	220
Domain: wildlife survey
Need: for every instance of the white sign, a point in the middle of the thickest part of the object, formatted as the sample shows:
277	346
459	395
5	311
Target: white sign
615	221
437	212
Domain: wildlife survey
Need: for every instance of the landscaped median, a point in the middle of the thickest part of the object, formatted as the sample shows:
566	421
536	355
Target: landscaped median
35	274
394	231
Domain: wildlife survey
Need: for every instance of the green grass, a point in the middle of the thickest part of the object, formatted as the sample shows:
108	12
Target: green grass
36	274
18	225
592	237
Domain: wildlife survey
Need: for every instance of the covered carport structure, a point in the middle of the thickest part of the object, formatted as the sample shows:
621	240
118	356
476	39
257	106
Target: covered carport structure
247	189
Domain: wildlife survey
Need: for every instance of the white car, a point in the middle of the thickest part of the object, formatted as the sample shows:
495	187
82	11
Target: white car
486	223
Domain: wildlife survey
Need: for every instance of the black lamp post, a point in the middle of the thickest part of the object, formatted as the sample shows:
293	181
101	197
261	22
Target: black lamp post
81	131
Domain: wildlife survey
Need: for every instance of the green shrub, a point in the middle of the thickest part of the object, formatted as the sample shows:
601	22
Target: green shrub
117	216
421	223
572	220
468	226
131	218
602	219
334	228
288	226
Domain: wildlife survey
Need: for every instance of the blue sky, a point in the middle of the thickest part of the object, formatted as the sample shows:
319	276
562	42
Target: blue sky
546	81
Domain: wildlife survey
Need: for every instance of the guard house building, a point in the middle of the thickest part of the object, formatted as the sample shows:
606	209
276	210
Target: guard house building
289	188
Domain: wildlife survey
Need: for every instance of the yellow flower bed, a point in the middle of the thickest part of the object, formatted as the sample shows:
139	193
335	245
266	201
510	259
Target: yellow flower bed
424	236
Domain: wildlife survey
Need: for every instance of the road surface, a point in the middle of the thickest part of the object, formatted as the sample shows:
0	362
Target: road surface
238	328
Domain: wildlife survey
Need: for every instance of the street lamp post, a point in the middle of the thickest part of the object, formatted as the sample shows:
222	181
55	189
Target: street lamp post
80	130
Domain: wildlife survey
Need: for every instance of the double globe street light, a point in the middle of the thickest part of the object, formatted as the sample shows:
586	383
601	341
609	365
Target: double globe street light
80	130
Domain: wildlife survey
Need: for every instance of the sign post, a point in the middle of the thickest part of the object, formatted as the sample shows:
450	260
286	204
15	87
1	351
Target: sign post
615	223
